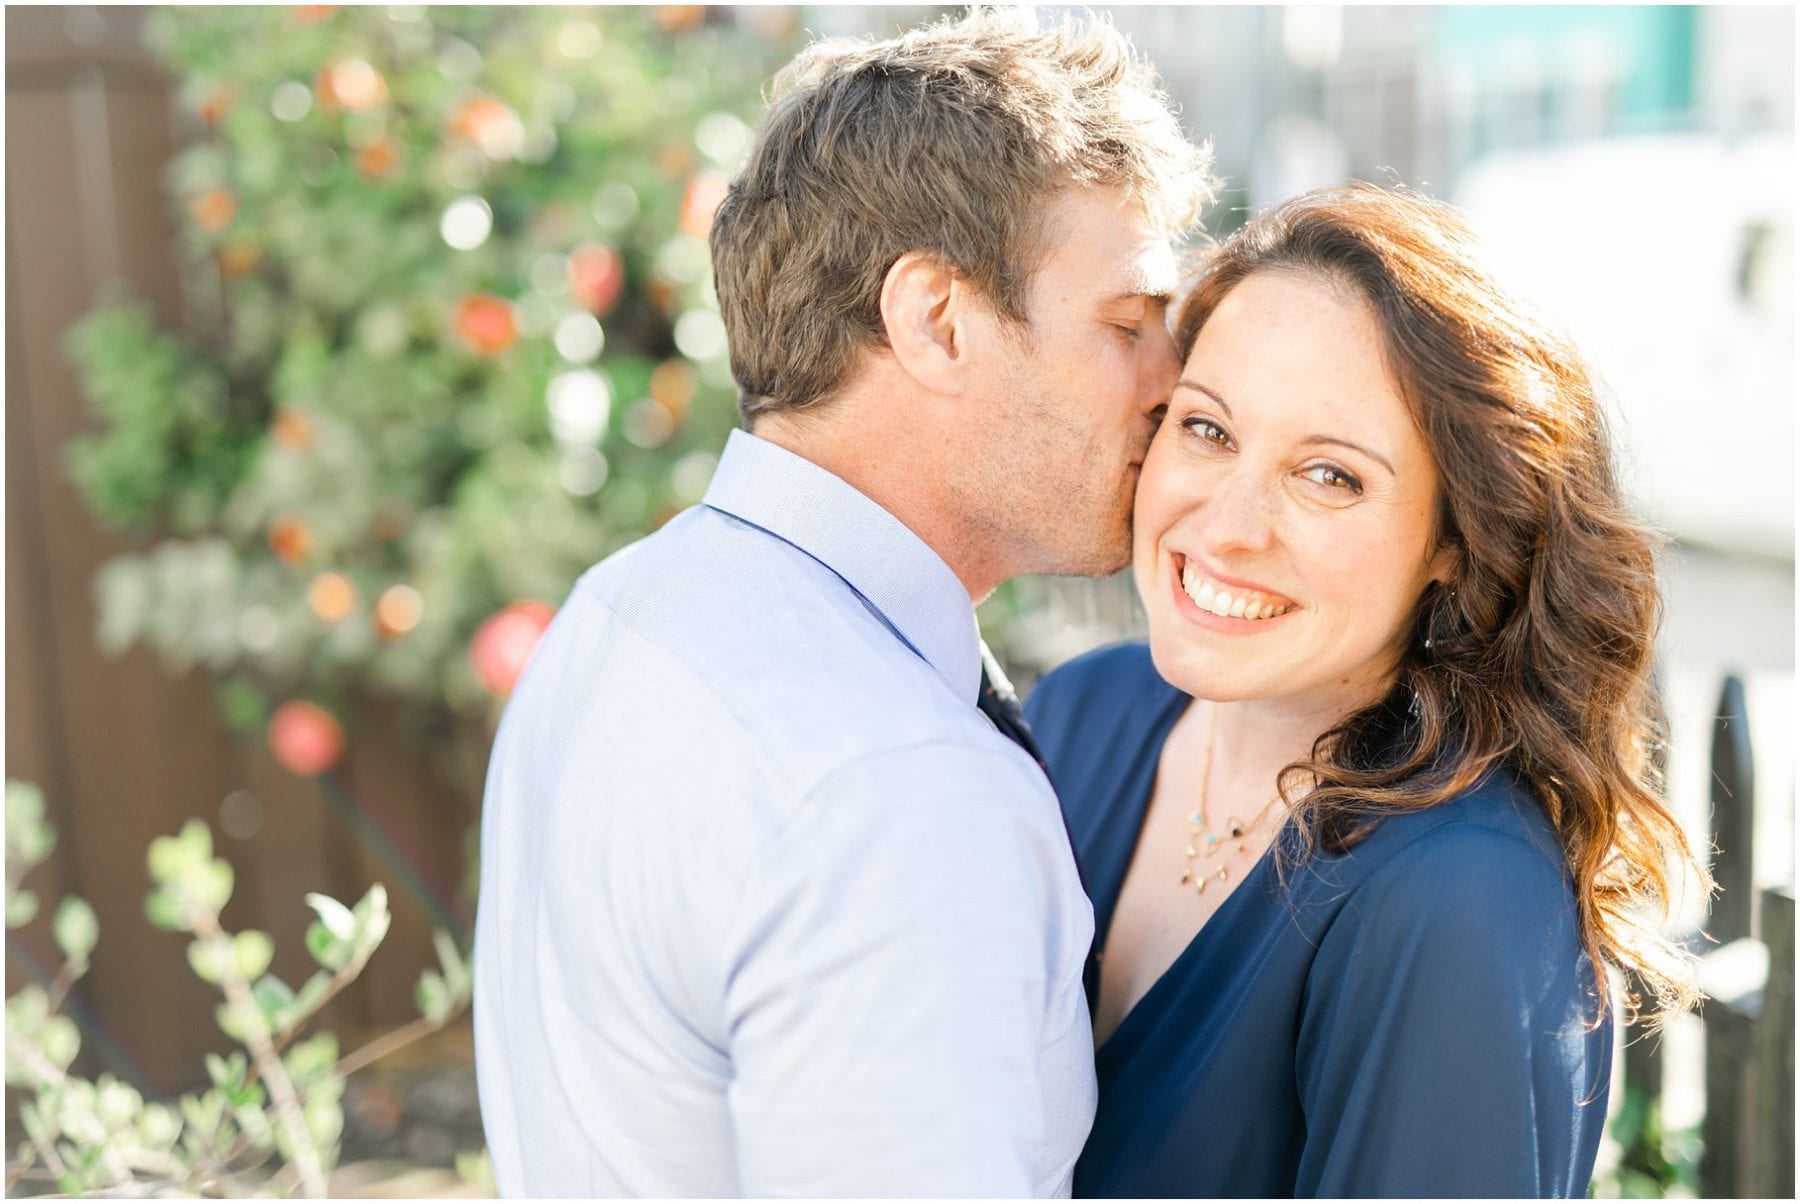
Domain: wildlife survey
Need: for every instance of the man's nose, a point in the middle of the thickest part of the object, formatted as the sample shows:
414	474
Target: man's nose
1160	368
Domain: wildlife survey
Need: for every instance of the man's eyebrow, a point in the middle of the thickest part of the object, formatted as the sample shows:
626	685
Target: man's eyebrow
1147	292
1332	440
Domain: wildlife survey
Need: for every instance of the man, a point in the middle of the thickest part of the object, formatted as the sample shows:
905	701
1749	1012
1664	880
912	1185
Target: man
768	905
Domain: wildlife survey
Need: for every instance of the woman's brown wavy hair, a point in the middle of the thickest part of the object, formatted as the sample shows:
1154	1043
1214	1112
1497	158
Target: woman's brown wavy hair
1538	655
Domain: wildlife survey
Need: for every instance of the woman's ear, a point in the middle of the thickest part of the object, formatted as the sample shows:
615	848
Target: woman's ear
924	307
1446	565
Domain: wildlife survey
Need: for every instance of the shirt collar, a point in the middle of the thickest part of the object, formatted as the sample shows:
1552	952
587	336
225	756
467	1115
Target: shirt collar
894	571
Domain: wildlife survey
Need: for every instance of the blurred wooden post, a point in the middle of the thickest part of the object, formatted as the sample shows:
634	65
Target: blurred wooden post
1735	972
1733	817
1772	1095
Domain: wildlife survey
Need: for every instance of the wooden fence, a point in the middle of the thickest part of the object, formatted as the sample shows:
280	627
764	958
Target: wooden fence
123	750
1747	957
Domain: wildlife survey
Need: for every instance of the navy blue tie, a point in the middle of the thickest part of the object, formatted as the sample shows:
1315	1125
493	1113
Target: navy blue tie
998	702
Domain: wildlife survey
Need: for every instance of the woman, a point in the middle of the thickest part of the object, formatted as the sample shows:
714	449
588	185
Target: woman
1366	820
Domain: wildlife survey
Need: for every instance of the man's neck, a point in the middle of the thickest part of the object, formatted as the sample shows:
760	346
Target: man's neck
893	464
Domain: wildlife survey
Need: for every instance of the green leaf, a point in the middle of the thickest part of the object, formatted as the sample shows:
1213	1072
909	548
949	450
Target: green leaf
433	997
372	919
33	1120
456	969
236	1021
306	1001
159	1128
21	908
212	885
77	931
271	995
116	1104
61	1041
227	1074
254	951
164	911
334	917
172	857
204	1112
325	1121
28	838
210	958
311	1060
476	1168
329	951
255	1124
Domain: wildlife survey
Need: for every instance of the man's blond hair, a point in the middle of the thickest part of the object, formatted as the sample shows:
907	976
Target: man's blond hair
949	140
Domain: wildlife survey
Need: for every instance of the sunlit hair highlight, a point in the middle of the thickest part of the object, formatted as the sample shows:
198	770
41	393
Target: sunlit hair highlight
1538	654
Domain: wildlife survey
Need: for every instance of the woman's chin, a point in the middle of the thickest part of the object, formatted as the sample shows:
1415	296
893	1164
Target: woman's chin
1195	674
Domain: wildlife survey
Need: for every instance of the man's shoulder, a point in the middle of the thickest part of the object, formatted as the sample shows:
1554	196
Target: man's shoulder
777	643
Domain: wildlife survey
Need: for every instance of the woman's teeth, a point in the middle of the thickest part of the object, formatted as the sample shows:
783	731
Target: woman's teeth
1227	602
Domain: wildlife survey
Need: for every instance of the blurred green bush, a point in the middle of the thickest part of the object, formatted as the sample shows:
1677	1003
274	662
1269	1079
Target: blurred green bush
451	338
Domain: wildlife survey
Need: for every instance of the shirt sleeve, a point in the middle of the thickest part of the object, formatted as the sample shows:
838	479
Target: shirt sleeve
1447	1044
907	964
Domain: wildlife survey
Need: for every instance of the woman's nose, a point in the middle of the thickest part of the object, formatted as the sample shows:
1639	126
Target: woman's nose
1240	514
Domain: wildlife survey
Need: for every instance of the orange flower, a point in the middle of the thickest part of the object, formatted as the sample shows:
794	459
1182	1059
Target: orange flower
485	324
596	277
236	259
306	739
331	596
216	103
679	18
398	611
490	124
291	540
662	294
213	209
705	192
350	84
291	428
503	644
377	158
674	384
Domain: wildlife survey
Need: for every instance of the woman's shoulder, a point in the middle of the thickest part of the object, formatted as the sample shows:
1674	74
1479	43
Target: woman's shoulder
1487	854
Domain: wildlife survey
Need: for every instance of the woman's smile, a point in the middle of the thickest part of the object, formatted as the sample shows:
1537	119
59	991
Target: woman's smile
1221	603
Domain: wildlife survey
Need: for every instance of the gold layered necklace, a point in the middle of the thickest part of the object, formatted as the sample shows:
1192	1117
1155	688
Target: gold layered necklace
1210	854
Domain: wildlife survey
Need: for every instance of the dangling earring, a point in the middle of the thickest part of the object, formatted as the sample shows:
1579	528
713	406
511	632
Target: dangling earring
1440	621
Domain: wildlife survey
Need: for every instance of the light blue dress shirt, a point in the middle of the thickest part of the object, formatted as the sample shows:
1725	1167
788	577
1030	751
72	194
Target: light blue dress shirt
767	906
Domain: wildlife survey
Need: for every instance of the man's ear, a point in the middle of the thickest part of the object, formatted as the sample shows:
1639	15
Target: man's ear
924	310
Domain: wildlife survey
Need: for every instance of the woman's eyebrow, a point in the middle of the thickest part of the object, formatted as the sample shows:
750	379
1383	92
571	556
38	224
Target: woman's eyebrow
1336	442
1185	383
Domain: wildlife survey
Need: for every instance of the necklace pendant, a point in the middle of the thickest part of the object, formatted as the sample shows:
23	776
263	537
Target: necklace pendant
1240	846
1235	826
1224	873
1191	853
1212	841
1200	886
1187	877
1197	820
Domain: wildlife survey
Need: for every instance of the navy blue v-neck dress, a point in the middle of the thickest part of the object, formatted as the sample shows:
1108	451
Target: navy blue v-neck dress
1415	1017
